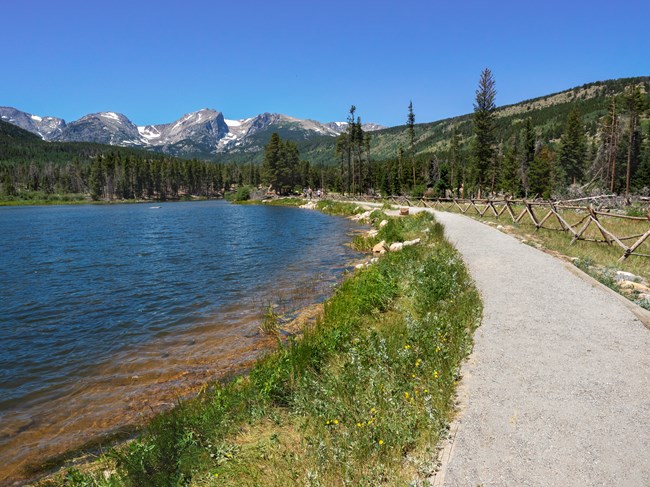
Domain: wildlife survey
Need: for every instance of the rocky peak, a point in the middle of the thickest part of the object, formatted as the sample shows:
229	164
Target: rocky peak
46	127
104	128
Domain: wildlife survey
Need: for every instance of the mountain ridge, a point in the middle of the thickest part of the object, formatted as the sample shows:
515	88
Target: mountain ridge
204	133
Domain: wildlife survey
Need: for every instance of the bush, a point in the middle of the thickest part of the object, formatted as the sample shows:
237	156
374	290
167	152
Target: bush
243	193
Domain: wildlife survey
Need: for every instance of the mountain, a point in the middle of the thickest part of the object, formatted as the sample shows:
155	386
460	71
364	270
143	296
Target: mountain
206	134
46	127
103	128
340	127
202	134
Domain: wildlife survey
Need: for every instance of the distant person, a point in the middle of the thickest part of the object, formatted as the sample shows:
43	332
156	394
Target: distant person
309	192
318	192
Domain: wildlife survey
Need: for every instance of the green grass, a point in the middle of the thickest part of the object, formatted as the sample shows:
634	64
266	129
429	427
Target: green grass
598	253
360	398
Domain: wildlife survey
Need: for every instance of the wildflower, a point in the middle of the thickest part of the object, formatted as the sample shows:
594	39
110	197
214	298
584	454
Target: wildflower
407	347
327	423
426	391
437	349
336	421
412	376
373	410
381	442
435	374
406	395
417	362
358	425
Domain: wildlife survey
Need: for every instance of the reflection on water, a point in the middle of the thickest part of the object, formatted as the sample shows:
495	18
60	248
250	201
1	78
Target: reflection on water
112	312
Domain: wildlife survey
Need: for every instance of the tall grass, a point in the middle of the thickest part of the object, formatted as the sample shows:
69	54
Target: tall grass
360	398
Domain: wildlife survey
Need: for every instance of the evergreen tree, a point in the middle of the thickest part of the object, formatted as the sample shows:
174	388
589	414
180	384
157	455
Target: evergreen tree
351	133
410	123
573	148
541	172
270	166
635	106
529	140
96	181
510	172
484	129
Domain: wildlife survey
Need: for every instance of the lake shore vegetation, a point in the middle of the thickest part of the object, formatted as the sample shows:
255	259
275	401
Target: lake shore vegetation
360	397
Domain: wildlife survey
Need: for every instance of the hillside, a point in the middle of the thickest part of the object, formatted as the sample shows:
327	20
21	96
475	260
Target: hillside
547	114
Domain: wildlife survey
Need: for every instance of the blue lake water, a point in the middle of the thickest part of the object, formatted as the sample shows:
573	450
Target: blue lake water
106	310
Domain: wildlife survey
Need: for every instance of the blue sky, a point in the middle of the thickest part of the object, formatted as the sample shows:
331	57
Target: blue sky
155	61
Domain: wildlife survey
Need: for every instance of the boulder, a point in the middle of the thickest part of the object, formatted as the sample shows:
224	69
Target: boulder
380	248
383	223
372	233
626	276
395	246
362	216
408	243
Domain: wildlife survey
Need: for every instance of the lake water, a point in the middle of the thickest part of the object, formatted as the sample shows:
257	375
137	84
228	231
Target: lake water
110	312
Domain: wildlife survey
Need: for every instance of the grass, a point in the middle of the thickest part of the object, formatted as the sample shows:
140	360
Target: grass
599	254
360	398
597	259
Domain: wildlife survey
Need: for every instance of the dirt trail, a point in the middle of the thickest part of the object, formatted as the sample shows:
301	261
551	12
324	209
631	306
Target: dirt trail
557	390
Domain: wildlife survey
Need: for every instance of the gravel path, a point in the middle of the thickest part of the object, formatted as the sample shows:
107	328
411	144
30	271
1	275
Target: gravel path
557	390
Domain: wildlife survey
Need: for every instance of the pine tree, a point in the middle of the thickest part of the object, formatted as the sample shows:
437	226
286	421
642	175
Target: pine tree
510	172
410	123
96	181
529	140
270	166
351	132
573	149
541	172
635	106
484	130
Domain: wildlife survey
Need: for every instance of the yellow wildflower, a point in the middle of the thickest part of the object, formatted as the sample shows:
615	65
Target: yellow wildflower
381	442
435	374
336	421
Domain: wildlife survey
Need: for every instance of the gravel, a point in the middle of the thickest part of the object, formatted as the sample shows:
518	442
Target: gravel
557	389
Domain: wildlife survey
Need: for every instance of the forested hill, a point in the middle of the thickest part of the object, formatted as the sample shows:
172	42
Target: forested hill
33	169
547	113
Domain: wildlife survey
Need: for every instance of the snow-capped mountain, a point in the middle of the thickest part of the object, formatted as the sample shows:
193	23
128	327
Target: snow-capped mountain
340	127
198	134
247	133
104	128
46	127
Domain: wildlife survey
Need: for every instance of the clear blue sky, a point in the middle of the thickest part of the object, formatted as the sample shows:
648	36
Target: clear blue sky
155	61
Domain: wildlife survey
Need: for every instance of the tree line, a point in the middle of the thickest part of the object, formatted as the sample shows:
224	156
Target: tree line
114	176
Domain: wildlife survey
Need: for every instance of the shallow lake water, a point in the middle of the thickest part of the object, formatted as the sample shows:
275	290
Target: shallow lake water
109	313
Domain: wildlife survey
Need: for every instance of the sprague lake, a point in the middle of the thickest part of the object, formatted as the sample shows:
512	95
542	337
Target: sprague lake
111	312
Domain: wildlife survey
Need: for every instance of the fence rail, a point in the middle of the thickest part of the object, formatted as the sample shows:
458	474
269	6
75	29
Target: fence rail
588	223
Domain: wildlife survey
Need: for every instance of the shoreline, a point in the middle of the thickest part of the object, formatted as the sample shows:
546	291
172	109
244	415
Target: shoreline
372	382
247	356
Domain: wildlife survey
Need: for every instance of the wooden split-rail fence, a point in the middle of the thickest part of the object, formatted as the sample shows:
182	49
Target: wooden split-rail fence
588	221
